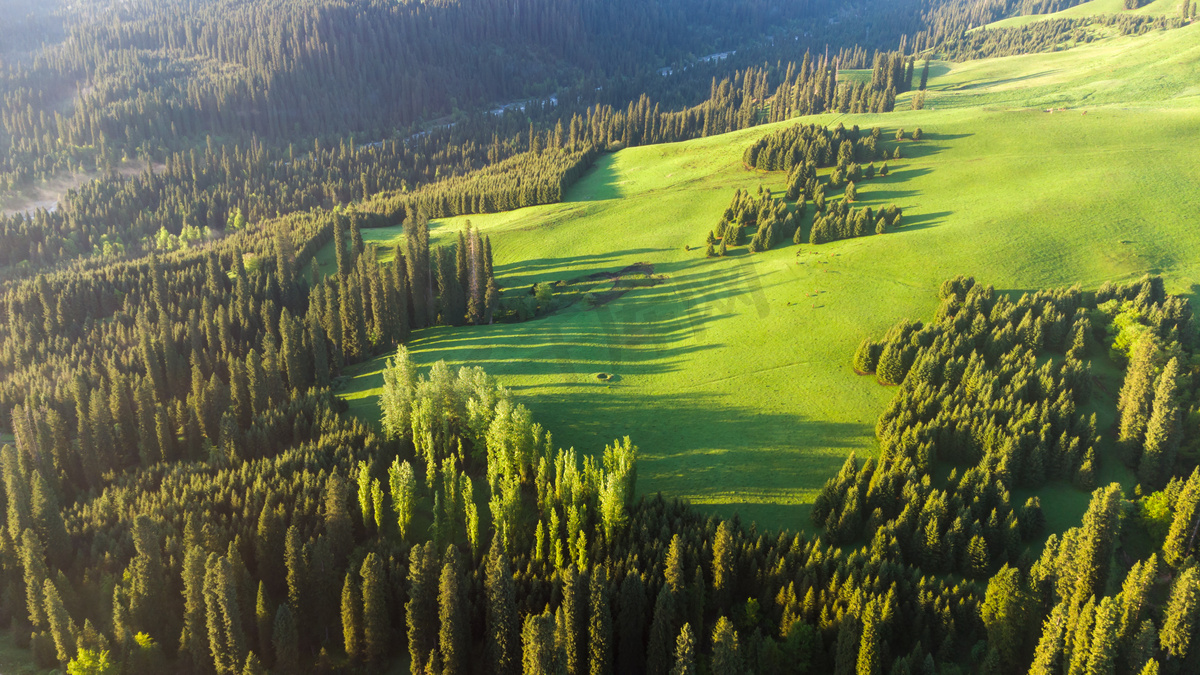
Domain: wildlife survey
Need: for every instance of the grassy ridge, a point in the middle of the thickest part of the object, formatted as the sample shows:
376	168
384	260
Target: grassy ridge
1158	69
733	376
1093	8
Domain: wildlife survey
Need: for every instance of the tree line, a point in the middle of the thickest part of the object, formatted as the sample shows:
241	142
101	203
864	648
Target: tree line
973	395
1050	34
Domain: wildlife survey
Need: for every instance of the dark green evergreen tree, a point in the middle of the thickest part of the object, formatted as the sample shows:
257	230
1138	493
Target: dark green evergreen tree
685	652
454	636
286	643
502	617
600	629
352	619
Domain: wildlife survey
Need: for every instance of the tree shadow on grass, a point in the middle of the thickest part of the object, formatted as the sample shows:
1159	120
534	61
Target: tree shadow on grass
721	453
918	150
901	175
718	456
881	197
994	83
935	136
921	221
648	331
512	275
598	184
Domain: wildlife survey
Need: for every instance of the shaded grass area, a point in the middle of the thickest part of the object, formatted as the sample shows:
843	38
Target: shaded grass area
733	375
13	659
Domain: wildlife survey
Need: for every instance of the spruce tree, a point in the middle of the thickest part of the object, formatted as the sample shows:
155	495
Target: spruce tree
375	621
631	623
1162	431
33	560
574	620
891	368
726	658
454	636
723	571
193	641
502	616
422	605
869	658
297	578
62	628
47	520
226	640
658	650
1104	638
1180	617
148	593
1143	648
264	622
1181	536
539	654
600	628
1101	529
866	357
1134	592
1136	400
253	665
685	652
1005	611
673	572
352	621
977	557
337	519
1047	655
286	642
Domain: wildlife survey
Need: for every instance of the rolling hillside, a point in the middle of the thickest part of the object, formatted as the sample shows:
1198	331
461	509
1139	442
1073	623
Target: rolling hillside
733	374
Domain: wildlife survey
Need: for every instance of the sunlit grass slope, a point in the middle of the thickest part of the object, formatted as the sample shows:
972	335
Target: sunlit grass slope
1161	68
1093	8
733	376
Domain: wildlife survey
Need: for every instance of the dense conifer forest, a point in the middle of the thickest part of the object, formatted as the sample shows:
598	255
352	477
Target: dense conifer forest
184	491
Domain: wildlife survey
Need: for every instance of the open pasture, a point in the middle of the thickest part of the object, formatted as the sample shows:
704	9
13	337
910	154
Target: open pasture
733	375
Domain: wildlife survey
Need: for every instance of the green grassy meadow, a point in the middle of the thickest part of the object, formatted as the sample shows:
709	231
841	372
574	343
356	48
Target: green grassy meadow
1093	8
733	375
1158	69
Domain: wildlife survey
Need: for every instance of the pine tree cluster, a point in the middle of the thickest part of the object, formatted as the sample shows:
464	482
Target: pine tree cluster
841	221
771	218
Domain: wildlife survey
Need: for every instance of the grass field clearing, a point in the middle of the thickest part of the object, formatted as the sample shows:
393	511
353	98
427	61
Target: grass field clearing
733	376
